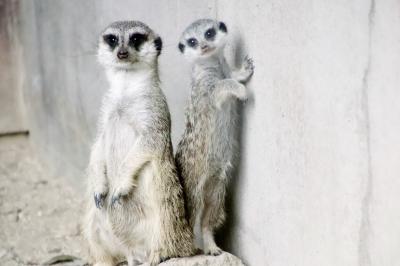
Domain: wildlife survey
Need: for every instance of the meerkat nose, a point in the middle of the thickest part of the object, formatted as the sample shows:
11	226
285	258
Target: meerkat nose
122	54
203	46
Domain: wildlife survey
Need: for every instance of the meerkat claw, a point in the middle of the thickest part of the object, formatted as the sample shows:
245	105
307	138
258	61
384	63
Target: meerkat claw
214	252
162	259
99	200
249	63
116	199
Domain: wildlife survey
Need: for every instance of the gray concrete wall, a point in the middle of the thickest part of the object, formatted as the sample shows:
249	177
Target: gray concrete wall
11	105
318	182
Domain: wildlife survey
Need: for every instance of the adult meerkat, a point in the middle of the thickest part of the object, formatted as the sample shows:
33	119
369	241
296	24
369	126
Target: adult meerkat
206	153
135	203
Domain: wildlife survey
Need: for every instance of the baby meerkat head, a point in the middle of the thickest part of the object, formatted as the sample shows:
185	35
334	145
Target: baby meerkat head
128	44
202	39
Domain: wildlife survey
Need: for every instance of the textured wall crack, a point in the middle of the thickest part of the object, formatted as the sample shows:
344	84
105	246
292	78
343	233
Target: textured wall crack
364	256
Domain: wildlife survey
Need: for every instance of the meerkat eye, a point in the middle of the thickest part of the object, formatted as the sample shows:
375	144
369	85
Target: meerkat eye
111	40
192	42
137	39
210	34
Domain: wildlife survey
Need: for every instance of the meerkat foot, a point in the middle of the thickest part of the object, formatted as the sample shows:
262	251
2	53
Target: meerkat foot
210	247
213	251
163	259
131	261
155	259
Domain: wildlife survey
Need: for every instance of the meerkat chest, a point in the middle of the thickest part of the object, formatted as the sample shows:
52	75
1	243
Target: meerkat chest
125	111
128	100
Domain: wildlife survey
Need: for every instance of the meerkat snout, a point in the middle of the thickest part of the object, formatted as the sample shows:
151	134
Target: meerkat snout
123	53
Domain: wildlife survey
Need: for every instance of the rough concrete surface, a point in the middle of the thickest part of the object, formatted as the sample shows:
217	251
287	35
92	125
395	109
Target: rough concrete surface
11	106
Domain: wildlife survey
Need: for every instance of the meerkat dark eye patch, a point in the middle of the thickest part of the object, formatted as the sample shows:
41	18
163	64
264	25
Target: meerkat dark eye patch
181	47
210	34
111	40
222	27
192	42
136	40
158	45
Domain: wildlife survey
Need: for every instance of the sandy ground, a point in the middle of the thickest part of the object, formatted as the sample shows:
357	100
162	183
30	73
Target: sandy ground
39	214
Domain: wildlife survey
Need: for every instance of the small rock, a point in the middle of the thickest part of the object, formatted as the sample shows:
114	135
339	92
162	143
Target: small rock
225	259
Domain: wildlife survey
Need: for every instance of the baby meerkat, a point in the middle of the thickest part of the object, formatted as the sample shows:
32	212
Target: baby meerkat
135	203
206	154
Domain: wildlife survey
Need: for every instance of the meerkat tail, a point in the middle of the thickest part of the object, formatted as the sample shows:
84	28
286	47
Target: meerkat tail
177	235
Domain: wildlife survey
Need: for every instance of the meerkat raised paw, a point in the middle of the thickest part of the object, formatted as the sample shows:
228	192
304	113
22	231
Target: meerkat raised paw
135	200
207	152
245	72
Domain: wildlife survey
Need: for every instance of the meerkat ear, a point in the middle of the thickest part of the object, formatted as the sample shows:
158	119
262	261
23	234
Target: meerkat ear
158	45
222	27
181	47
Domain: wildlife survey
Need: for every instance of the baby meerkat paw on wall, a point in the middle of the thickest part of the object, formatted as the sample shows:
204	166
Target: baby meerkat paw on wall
248	66
246	71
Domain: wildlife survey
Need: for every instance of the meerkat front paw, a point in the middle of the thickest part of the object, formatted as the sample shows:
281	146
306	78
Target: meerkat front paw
117	199
118	194
246	71
100	194
99	199
247	68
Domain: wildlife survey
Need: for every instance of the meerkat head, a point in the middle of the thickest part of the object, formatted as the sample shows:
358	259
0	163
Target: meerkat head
127	44
202	39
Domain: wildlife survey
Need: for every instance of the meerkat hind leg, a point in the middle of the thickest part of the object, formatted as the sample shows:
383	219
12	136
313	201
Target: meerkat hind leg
213	214
209	245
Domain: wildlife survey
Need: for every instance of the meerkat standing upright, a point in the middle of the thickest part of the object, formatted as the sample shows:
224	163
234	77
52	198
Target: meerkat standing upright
138	210
206	153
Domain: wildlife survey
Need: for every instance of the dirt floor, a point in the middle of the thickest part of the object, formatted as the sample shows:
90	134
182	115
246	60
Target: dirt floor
39	214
